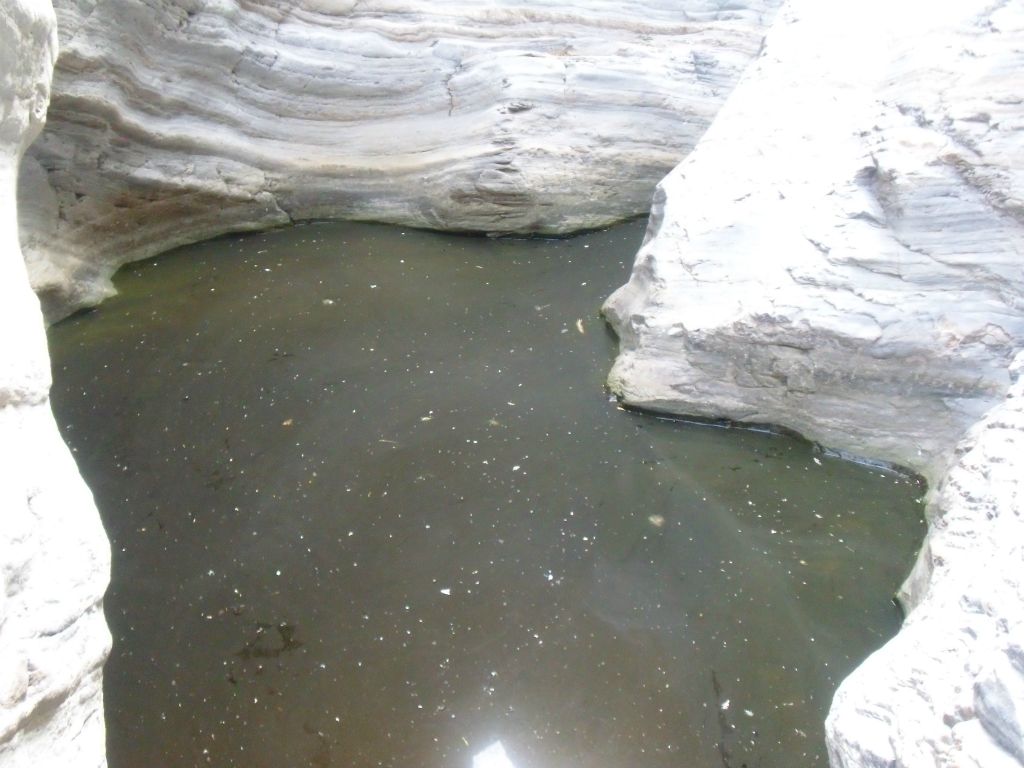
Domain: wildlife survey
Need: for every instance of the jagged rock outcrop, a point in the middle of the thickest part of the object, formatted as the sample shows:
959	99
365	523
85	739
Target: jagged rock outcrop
175	120
842	255
54	557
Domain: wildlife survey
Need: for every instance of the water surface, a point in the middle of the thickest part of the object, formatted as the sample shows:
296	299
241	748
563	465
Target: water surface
371	506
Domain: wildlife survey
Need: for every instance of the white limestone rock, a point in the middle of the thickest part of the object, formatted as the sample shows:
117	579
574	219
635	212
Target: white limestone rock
54	557
949	689
841	254
175	120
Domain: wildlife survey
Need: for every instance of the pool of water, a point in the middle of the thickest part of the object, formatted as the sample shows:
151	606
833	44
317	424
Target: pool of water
371	505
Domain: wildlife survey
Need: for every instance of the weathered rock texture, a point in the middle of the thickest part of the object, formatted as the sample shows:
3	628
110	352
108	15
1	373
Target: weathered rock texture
54	557
949	689
843	254
174	120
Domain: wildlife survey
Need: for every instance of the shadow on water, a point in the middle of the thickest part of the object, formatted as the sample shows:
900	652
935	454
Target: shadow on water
371	506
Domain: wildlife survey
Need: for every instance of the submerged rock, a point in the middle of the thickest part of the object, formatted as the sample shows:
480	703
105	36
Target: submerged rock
54	558
173	121
841	255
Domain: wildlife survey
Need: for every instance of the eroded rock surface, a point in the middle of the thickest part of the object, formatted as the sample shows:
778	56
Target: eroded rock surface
174	120
842	252
54	557
949	689
842	255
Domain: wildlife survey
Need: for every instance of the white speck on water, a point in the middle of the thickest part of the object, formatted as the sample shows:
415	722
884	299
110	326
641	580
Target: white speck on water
725	705
817	461
446	592
748	713
515	468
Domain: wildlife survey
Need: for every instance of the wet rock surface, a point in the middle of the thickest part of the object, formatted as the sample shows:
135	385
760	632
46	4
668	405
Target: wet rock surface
370	505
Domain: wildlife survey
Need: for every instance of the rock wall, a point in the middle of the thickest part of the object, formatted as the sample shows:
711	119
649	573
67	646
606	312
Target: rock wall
54	557
175	120
843	254
949	689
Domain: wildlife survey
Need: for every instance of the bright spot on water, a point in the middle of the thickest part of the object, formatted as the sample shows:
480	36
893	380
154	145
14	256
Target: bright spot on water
492	757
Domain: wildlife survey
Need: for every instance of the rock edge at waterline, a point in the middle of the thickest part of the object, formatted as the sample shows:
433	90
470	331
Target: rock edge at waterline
54	557
174	121
841	255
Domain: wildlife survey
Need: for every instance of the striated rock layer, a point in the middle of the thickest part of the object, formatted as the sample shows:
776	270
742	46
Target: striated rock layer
843	254
54	557
175	120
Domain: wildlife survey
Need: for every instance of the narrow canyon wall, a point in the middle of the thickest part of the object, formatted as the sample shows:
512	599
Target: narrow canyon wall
54	557
175	120
843	254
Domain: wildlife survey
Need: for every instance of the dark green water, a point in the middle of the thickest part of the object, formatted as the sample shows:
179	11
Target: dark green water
371	506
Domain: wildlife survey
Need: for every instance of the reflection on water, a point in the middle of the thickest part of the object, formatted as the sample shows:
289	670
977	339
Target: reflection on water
492	757
371	506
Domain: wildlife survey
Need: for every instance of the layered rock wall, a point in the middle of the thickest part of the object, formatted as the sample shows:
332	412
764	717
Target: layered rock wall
54	558
843	254
175	120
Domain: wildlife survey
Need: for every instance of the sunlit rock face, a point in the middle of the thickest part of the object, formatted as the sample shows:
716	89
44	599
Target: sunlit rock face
54	558
842	255
949	689
174	120
842	252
